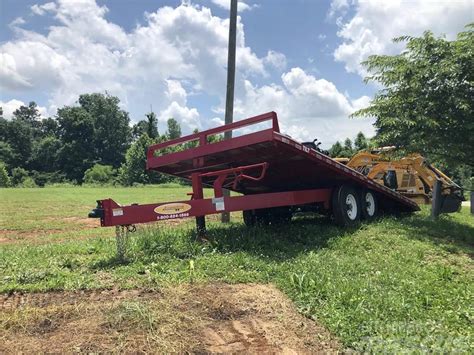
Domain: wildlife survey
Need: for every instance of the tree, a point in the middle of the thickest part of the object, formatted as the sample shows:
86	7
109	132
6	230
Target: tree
360	142
18	134
133	170
76	131
19	175
336	150
139	129
426	104
348	145
42	178
174	129
28	114
4	178
148	126
7	155
49	127
45	154
112	134
152	125
100	174
347	150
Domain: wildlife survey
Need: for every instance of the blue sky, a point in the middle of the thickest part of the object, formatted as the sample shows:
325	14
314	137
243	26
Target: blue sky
300	58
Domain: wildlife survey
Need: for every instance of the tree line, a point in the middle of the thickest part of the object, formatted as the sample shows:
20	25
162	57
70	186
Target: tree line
92	142
348	148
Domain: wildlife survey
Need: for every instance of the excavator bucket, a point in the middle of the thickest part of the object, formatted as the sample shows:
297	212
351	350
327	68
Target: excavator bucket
451	203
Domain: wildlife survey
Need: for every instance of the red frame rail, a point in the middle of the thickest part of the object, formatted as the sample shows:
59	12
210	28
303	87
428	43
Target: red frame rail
114	214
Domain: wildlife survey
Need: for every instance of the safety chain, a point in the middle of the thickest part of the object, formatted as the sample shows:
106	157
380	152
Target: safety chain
122	235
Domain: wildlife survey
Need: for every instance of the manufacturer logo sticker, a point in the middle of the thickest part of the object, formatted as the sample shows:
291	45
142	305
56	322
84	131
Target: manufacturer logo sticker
172	208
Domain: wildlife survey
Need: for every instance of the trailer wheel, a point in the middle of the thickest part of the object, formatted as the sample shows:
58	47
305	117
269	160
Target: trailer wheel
346	206
370	206
279	215
267	216
249	217
261	217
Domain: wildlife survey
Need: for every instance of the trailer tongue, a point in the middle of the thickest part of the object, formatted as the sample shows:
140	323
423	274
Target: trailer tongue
274	175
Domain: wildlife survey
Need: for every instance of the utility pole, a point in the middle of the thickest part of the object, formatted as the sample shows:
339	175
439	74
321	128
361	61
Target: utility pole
229	104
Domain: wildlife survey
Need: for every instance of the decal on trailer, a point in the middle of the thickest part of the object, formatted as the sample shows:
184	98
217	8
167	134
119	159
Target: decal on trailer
219	203
117	212
172	208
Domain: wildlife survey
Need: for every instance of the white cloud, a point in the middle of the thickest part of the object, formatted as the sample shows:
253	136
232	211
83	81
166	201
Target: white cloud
84	52
307	107
375	23
175	51
10	106
176	92
360	103
217	121
188	118
42	9
17	22
338	7
276	59
11	79
241	6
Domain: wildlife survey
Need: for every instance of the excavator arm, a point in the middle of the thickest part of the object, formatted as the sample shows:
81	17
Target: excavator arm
412	176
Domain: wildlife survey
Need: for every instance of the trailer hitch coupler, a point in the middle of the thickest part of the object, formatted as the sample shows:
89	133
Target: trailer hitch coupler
97	212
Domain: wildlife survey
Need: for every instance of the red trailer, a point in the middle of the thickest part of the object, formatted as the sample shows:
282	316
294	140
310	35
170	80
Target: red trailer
273	174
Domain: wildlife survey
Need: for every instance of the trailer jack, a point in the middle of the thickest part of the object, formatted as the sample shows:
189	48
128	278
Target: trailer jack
97	212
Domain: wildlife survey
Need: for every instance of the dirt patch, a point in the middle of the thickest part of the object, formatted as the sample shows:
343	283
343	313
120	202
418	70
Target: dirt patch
87	222
15	236
216	318
258	319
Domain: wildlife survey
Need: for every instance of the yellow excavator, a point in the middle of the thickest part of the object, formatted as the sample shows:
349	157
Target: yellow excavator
412	176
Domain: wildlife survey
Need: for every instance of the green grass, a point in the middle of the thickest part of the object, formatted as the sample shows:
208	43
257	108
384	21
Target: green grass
401	284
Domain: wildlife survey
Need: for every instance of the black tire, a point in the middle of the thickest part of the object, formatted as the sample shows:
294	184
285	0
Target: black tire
249	217
346	206
279	215
370	205
267	216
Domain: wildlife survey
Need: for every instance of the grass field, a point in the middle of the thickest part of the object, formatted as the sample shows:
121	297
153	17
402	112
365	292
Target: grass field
398	284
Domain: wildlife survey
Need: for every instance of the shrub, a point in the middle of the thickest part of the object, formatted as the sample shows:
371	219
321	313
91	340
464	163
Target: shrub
28	182
43	178
133	170
18	176
100	174
4	178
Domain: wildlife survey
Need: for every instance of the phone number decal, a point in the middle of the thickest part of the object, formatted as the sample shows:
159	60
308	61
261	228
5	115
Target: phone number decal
172	216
